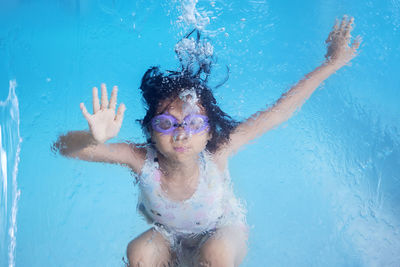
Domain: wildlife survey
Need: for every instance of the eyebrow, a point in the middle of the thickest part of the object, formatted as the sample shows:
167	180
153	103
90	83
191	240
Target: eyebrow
162	111
202	109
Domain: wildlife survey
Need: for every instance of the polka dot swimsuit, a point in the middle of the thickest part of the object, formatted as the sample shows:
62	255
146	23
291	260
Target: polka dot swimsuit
212	204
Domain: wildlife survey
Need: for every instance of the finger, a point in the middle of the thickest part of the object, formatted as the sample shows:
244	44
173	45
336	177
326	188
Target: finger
334	31
343	23
330	37
356	43
120	113
348	28
84	111
104	97
96	105
113	98
336	26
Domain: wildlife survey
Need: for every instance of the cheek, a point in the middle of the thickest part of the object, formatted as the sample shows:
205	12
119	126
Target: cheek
201	140
206	136
159	139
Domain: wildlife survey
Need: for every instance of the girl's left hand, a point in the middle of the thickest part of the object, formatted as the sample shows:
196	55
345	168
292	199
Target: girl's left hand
340	52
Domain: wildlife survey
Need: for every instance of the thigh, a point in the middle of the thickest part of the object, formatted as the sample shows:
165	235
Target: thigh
230	241
150	248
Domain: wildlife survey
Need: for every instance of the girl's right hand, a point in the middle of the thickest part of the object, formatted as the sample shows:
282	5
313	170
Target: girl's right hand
103	123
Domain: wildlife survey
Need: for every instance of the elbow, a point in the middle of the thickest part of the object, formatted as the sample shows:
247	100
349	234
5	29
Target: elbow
60	147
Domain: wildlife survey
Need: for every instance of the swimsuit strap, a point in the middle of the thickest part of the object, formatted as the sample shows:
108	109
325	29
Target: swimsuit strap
151	156
151	152
149	165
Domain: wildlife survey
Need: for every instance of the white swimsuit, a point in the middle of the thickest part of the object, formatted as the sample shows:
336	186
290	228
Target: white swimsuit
212	205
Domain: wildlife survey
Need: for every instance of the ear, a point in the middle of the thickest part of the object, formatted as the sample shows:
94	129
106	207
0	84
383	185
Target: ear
209	136
150	137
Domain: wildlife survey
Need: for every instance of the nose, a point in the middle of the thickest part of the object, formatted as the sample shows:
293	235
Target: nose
180	134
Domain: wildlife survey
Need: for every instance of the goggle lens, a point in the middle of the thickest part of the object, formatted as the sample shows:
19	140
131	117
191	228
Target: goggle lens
195	123
164	123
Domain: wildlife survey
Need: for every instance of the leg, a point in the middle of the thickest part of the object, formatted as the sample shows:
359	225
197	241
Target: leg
149	249
225	248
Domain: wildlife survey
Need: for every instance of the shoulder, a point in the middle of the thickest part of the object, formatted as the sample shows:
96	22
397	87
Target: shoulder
139	149
135	155
220	159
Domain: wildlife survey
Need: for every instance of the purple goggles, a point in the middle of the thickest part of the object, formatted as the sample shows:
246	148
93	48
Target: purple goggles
192	123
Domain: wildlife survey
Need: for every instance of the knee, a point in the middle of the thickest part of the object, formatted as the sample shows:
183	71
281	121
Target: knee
217	253
138	254
146	254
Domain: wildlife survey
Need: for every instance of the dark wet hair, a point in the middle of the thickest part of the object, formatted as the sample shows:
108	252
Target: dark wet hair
157	86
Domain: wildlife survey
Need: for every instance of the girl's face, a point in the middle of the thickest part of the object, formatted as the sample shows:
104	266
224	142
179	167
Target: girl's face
179	145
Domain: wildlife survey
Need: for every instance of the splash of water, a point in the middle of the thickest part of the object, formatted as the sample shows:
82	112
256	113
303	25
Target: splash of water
195	55
190	101
195	51
191	16
10	143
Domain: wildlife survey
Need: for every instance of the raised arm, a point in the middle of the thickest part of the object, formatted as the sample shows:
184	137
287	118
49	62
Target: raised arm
104	124
338	55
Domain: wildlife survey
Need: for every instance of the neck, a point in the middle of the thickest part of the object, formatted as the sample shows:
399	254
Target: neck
178	170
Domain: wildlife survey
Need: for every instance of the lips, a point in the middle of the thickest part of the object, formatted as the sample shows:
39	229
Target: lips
180	149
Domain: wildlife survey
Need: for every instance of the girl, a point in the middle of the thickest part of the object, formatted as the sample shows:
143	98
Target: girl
185	189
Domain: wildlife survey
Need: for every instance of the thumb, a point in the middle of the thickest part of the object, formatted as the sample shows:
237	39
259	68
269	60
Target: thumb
84	111
356	43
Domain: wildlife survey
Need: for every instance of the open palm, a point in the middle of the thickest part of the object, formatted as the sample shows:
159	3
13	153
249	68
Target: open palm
104	124
340	51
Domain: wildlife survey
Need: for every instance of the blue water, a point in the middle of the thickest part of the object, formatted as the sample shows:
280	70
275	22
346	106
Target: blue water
321	190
